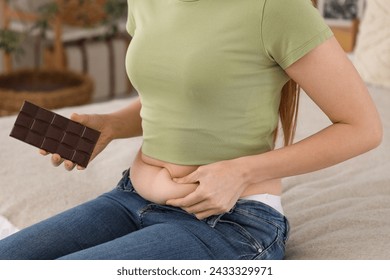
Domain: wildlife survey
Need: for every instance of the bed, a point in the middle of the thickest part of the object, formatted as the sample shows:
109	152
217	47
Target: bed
338	213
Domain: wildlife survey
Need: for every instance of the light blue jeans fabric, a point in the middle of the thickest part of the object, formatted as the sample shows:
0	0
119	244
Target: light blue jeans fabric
122	225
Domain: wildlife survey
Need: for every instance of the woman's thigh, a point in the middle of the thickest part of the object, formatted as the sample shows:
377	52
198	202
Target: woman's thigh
158	242
92	223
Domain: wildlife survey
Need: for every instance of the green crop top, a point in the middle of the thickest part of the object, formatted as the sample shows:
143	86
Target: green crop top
209	72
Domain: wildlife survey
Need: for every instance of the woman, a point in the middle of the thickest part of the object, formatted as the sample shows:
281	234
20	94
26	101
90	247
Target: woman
213	79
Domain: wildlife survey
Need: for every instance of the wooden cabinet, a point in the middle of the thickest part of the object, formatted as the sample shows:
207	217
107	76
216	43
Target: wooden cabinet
346	35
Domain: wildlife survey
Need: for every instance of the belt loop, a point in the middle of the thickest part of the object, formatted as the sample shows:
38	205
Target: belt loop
213	220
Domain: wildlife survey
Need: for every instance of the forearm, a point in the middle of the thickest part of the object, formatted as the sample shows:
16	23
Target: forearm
335	144
126	122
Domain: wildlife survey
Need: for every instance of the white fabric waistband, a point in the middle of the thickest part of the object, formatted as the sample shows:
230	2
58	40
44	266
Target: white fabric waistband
271	200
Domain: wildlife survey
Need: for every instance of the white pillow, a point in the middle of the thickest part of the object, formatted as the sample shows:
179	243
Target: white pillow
372	51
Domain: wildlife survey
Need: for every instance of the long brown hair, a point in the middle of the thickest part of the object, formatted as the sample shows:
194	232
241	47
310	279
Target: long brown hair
288	111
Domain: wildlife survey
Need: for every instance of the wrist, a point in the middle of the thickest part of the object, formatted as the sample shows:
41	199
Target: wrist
251	169
114	126
125	123
242	169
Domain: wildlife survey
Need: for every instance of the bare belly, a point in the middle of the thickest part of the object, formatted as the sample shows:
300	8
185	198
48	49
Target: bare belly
152	179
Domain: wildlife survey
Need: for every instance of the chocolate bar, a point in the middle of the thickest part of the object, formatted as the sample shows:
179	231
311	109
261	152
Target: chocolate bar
55	134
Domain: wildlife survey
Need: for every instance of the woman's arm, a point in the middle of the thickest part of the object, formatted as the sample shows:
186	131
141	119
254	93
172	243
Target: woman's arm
126	123
330	79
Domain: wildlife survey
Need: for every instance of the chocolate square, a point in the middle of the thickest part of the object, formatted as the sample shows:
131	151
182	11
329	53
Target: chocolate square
75	128
34	139
71	140
81	157
60	122
55	133
91	134
65	151
85	146
29	109
39	127
19	132
50	145
24	120
44	115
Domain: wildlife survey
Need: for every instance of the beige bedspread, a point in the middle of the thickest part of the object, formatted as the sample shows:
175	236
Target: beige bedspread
342	212
338	213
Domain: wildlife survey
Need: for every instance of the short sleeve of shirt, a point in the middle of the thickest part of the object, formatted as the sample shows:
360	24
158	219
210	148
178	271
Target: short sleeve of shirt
291	29
130	25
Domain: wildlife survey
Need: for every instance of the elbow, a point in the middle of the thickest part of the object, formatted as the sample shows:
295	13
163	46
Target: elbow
374	135
378	137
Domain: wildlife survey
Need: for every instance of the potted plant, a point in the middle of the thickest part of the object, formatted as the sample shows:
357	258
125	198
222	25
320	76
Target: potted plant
55	87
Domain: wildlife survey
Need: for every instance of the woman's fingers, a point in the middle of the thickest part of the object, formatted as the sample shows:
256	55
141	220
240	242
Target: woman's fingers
56	160
187	201
69	165
43	152
80	167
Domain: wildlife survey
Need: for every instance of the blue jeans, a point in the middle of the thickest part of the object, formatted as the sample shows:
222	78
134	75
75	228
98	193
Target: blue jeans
121	224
